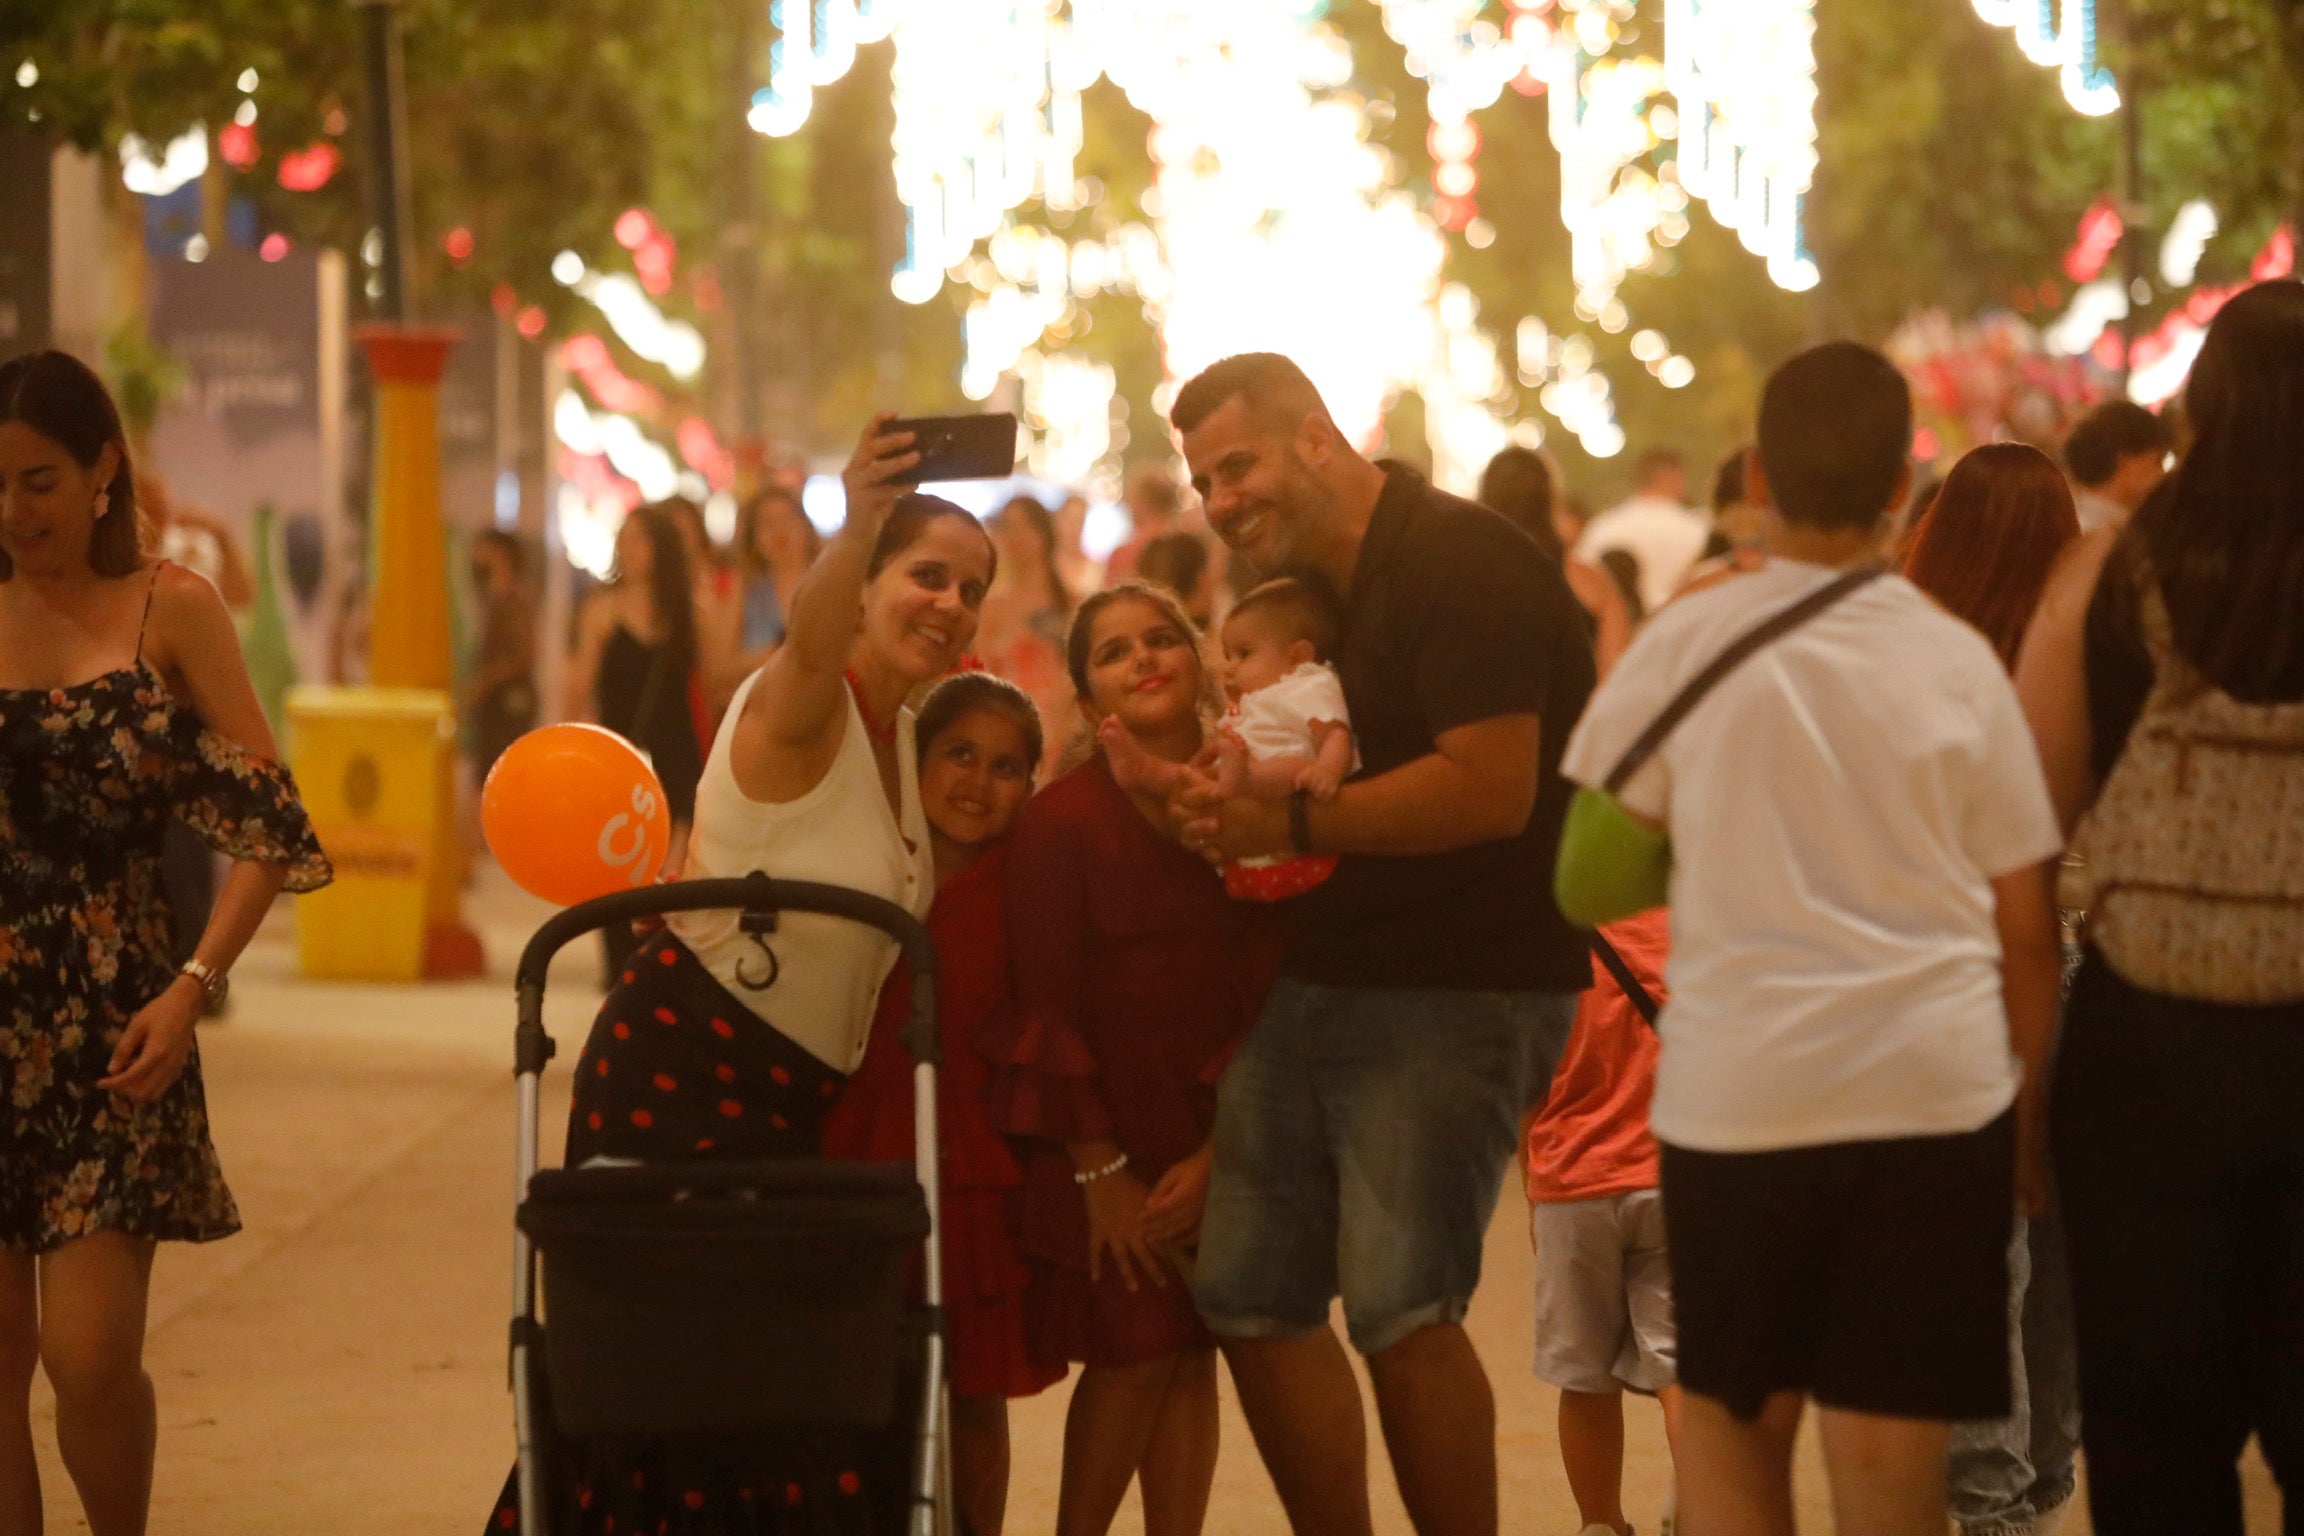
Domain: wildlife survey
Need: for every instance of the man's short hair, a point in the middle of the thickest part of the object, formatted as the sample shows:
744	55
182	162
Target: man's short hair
2115	430
1650	463
1303	603
1275	388
1152	491
1835	432
1728	481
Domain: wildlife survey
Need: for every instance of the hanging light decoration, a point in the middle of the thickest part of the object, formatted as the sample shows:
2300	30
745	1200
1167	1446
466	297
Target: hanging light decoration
1744	72
987	117
675	345
1272	221
1067	402
816	43
1560	370
2060	34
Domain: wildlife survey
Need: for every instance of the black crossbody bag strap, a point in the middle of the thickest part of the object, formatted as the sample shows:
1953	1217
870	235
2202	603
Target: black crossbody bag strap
1643	1000
1774	627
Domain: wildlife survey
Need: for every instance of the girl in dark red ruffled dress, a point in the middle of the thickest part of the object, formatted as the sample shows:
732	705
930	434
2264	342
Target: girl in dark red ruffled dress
979	747
1135	978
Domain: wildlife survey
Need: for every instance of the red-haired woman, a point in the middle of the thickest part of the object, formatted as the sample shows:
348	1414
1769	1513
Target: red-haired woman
1984	550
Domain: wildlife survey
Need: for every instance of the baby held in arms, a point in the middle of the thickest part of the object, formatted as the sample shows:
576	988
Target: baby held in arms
1287	727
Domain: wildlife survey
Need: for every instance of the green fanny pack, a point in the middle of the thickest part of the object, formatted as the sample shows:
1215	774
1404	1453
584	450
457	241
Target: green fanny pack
1613	863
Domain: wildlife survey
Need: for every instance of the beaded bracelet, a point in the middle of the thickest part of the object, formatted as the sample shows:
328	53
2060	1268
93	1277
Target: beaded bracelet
1105	1172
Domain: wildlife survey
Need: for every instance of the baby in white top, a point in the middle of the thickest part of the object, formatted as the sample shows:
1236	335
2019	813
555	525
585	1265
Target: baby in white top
1287	727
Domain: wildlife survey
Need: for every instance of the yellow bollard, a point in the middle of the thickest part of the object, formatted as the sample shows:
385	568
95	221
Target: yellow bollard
409	625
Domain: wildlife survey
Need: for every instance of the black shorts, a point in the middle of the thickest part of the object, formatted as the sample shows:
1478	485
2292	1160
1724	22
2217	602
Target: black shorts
1871	1275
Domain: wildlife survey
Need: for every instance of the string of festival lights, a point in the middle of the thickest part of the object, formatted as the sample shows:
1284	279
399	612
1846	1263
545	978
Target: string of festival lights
2060	34
1263	169
987	96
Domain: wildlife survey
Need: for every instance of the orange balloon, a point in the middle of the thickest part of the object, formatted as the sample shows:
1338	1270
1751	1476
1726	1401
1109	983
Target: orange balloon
573	812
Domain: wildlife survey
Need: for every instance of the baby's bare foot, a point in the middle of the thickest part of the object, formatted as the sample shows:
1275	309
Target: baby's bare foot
1133	768
1231	775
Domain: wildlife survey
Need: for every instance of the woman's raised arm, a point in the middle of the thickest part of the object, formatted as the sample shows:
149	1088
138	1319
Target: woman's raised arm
582	678
793	710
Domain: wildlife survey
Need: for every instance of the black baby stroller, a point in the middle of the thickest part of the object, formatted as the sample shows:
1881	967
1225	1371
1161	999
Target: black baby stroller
727	1299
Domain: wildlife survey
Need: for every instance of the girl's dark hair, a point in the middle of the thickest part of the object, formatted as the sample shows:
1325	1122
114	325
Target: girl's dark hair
687	514
60	397
1519	484
1036	518
1176	560
1077	643
910	518
1985	547
671	598
2224	534
966	692
749	560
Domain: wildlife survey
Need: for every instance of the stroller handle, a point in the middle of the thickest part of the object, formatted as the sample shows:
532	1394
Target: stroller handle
755	893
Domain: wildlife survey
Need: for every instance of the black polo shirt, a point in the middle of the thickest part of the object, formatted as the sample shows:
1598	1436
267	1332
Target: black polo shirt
1454	616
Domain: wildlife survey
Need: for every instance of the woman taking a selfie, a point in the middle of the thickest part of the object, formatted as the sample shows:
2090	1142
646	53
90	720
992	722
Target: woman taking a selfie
716	1043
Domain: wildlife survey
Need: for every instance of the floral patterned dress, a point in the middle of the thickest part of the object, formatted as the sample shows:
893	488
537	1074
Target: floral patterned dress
90	776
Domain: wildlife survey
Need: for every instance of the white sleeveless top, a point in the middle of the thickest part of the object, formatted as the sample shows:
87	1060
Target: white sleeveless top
841	833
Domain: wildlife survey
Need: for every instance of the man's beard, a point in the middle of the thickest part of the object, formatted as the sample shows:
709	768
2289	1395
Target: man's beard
1300	504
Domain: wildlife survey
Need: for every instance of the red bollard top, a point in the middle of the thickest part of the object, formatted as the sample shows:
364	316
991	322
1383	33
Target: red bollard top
407	354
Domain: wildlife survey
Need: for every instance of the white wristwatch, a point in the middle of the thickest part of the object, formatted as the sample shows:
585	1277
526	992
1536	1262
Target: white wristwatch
213	982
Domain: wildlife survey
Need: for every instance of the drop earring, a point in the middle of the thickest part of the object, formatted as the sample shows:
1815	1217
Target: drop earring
103	504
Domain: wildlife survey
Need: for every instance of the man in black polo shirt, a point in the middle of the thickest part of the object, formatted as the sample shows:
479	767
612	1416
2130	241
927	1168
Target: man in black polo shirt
1363	1130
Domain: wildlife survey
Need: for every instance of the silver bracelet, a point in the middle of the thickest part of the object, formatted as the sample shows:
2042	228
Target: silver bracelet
1105	1172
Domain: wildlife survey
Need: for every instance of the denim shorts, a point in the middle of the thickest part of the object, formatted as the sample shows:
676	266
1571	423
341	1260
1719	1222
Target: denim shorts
1361	1140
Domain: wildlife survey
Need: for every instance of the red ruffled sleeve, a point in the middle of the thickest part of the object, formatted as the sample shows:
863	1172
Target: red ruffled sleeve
1045	1081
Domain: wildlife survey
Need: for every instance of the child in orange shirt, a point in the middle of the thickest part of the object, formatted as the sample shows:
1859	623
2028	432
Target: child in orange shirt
1603	1289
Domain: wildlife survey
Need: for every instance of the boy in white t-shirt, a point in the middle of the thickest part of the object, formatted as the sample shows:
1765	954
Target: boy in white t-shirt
1863	984
1287	728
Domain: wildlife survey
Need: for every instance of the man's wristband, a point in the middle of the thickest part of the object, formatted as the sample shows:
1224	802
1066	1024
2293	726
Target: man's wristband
1300	820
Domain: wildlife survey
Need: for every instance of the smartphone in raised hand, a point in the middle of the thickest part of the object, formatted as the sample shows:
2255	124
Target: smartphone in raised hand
960	447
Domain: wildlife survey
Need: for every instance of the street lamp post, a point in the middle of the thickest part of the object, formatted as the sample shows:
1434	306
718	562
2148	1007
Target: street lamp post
387	150
2132	210
409	639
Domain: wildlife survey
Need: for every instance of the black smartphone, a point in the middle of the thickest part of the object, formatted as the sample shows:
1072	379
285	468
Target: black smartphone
960	447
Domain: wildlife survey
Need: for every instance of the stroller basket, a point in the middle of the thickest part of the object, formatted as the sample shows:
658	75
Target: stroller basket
732	1298
720	1298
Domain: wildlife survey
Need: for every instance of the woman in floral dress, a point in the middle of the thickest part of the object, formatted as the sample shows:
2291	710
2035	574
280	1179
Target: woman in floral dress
123	704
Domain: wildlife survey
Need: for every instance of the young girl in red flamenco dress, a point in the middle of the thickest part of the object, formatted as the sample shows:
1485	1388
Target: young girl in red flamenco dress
980	744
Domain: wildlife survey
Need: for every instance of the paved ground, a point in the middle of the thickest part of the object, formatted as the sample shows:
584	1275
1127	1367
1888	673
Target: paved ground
339	1366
